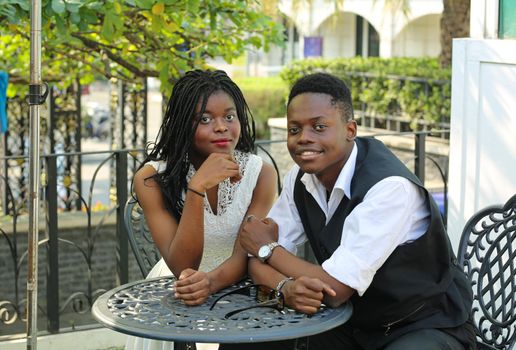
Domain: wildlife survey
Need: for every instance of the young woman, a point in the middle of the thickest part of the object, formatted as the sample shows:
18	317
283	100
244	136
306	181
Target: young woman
198	184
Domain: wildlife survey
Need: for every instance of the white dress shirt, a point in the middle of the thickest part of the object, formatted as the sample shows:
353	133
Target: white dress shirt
392	213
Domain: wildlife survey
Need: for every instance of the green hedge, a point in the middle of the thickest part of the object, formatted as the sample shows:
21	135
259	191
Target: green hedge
266	99
415	88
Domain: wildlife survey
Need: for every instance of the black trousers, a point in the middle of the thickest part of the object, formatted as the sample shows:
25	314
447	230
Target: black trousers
341	338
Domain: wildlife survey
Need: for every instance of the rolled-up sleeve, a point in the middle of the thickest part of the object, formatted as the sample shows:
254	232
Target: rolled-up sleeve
391	213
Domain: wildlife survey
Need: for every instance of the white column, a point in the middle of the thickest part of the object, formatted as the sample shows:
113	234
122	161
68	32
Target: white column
484	19
386	32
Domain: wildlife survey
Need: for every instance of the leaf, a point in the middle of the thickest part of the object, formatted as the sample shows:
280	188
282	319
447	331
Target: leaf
117	7
144	4
61	28
213	19
75	18
73	7
117	21
164	72
10	12
88	16
192	6
157	24
58	6
107	29
22	3
158	9
96	5
171	27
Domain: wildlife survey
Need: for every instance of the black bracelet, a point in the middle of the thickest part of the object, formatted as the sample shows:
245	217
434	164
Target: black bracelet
196	192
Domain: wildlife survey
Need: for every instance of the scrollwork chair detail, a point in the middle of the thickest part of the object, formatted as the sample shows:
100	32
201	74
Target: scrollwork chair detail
144	249
487	252
140	239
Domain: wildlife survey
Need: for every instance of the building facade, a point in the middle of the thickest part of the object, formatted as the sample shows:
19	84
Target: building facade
330	29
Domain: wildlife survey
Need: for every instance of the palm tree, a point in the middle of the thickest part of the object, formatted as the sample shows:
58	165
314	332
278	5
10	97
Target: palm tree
454	24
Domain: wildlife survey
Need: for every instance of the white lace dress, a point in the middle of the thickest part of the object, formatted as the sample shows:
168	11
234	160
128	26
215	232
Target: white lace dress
220	230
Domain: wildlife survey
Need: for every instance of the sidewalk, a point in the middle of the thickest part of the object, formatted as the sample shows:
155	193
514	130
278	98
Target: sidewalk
91	339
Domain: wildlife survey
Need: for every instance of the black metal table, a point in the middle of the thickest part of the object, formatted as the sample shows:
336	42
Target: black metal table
148	309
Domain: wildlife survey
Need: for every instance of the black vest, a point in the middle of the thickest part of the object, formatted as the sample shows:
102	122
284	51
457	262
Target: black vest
419	286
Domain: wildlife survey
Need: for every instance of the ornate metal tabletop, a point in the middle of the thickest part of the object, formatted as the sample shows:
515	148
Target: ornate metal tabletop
148	309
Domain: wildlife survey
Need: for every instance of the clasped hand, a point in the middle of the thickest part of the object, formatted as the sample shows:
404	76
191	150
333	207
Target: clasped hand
306	294
192	287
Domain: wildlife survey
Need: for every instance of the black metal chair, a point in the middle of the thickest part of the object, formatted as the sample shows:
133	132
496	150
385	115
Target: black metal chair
140	239
487	252
144	249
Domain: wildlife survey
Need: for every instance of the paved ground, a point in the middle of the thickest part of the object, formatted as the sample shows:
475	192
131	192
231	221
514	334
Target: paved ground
199	347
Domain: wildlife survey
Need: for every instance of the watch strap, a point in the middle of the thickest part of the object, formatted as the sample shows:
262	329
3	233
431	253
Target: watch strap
273	245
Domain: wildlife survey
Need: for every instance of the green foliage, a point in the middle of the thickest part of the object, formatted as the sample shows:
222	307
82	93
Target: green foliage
132	38
266	97
416	88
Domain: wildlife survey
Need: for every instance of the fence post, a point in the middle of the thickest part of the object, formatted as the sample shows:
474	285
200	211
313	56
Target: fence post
419	153
78	145
122	255
3	173
52	246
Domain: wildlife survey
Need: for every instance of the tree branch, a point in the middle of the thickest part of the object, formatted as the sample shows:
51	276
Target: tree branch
98	47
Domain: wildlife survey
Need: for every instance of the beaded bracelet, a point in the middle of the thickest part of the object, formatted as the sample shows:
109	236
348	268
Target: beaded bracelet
196	192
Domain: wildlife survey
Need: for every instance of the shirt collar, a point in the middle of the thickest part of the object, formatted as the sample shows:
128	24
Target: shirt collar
343	181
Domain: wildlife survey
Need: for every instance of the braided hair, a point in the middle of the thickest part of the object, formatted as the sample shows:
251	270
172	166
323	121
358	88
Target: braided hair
176	134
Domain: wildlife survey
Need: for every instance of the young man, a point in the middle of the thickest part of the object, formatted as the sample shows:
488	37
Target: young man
374	229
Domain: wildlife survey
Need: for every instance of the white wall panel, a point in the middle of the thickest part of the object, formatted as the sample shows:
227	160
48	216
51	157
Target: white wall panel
483	128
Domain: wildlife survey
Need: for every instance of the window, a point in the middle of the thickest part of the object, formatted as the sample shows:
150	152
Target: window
507	19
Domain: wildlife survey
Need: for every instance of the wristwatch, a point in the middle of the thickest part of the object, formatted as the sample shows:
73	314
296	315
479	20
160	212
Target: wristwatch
265	251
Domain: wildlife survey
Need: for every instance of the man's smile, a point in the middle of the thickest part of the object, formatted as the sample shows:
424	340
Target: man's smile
308	154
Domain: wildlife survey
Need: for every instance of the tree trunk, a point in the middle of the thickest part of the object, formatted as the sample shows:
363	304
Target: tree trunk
454	24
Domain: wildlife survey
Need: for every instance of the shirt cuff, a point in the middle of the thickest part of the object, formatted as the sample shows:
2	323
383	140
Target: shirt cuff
349	269
289	246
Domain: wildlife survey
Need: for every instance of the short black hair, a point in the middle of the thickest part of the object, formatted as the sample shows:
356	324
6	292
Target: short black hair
324	83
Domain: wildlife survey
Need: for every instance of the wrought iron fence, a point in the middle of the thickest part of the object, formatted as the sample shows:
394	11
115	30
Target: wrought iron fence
86	251
61	132
395	117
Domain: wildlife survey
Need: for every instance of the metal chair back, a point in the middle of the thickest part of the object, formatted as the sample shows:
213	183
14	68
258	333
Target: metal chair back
487	252
144	249
140	239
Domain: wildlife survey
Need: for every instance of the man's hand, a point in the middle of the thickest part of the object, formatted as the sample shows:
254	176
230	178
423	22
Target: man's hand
255	233
305	294
193	287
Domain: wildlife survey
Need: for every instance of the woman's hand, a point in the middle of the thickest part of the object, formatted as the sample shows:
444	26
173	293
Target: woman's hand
306	294
193	287
216	168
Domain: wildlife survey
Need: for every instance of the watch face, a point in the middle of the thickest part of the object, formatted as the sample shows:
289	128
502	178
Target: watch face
264	252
